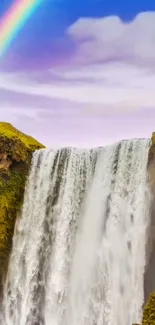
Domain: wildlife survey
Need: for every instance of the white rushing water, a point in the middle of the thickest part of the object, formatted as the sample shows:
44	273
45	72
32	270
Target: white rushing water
78	254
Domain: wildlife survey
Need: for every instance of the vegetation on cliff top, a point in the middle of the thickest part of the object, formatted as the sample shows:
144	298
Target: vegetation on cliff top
16	150
16	143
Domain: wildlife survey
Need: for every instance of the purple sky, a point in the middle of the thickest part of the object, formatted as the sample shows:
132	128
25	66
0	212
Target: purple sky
97	87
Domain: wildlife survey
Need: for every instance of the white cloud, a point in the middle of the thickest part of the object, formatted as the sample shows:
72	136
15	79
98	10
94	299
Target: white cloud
111	39
115	88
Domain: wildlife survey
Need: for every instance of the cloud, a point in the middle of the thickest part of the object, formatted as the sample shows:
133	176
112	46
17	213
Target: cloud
103	93
110	39
115	88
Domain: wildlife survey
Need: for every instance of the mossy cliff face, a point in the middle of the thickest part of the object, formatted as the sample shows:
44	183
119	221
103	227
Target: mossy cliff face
151	164
16	151
149	309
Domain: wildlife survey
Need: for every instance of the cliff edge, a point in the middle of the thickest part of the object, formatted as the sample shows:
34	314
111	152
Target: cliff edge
16	150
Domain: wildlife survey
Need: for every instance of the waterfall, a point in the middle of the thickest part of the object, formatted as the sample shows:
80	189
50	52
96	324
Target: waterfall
78	255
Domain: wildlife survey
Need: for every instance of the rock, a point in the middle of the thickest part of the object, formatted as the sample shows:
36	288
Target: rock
149	311
5	161
151	164
151	157
149	279
16	150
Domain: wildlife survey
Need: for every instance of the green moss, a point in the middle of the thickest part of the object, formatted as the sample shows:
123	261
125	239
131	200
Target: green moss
16	143
7	130
15	148
149	311
11	194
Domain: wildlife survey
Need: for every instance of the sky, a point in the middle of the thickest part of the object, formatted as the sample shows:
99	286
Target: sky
81	73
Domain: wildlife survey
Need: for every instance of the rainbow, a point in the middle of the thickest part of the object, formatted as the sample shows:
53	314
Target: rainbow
14	20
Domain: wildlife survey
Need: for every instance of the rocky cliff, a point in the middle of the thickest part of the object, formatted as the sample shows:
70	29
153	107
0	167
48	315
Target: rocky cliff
16	151
149	311
149	280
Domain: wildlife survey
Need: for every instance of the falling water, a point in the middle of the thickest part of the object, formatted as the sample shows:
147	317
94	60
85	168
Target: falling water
78	254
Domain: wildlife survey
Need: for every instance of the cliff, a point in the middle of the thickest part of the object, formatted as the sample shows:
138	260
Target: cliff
16	150
151	164
149	311
149	281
